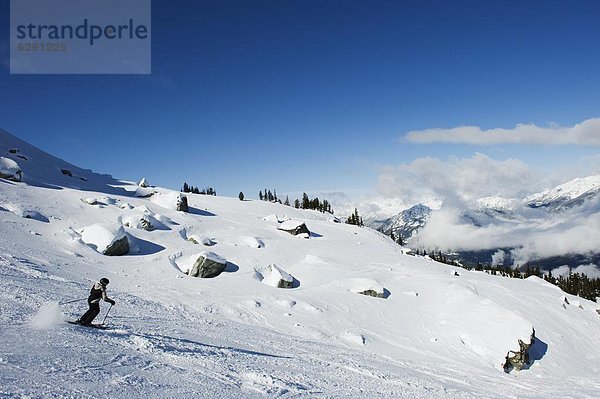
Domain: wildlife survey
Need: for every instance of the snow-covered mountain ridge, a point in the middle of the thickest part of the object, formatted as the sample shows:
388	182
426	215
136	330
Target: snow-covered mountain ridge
566	195
433	334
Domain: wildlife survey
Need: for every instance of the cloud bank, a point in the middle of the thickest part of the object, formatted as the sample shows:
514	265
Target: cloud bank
463	224
584	133
458	179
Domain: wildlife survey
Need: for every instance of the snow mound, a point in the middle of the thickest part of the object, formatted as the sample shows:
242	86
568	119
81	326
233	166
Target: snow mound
24	213
10	170
274	276
290	225
142	218
361	285
144	192
200	239
484	327
277	218
252	242
103	236
47	317
352	338
168	199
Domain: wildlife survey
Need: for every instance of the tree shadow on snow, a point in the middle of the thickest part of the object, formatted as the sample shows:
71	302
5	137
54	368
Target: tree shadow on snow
199	212
315	235
295	283
386	293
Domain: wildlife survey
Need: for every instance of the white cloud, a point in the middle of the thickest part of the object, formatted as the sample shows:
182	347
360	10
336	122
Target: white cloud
458	179
584	133
591	270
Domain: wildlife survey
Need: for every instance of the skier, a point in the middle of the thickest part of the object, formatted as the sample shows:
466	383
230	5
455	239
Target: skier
97	293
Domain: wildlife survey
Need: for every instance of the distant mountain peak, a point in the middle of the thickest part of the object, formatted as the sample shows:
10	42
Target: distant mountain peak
567	195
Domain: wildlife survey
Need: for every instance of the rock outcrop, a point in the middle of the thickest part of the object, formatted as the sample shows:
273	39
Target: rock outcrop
295	228
118	247
182	204
144	183
207	265
519	360
10	170
373	293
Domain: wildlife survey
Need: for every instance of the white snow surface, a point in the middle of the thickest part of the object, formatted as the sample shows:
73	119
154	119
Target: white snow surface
436	335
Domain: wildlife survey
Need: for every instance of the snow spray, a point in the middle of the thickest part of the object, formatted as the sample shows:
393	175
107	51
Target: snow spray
48	316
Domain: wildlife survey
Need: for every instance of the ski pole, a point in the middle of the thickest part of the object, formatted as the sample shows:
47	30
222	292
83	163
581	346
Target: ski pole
75	300
106	315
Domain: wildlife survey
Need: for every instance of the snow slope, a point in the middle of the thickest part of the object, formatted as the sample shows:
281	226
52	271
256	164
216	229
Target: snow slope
435	335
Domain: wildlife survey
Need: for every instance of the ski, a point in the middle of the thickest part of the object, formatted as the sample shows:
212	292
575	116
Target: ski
98	326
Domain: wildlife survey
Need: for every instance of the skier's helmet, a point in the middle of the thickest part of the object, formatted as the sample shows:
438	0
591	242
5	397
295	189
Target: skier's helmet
104	281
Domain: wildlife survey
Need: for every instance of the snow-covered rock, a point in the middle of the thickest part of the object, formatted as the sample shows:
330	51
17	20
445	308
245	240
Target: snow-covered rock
171	200
105	238
10	170
200	239
142	218
274	276
144	192
24	213
277	218
295	227
368	287
144	183
207	265
252	242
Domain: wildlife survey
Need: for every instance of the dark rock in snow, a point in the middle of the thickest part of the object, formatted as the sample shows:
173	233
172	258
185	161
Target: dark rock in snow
182	204
66	172
294	228
118	248
520	359
208	265
373	293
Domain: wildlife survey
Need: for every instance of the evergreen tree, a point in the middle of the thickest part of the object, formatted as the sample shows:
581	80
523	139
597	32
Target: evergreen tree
241	196
287	201
260	195
297	203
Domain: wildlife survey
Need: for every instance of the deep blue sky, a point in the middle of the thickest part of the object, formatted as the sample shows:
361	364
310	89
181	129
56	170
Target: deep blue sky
314	95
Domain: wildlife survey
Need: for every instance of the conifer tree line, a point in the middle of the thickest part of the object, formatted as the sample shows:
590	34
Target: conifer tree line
269	196
195	190
398	240
575	283
306	203
355	219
